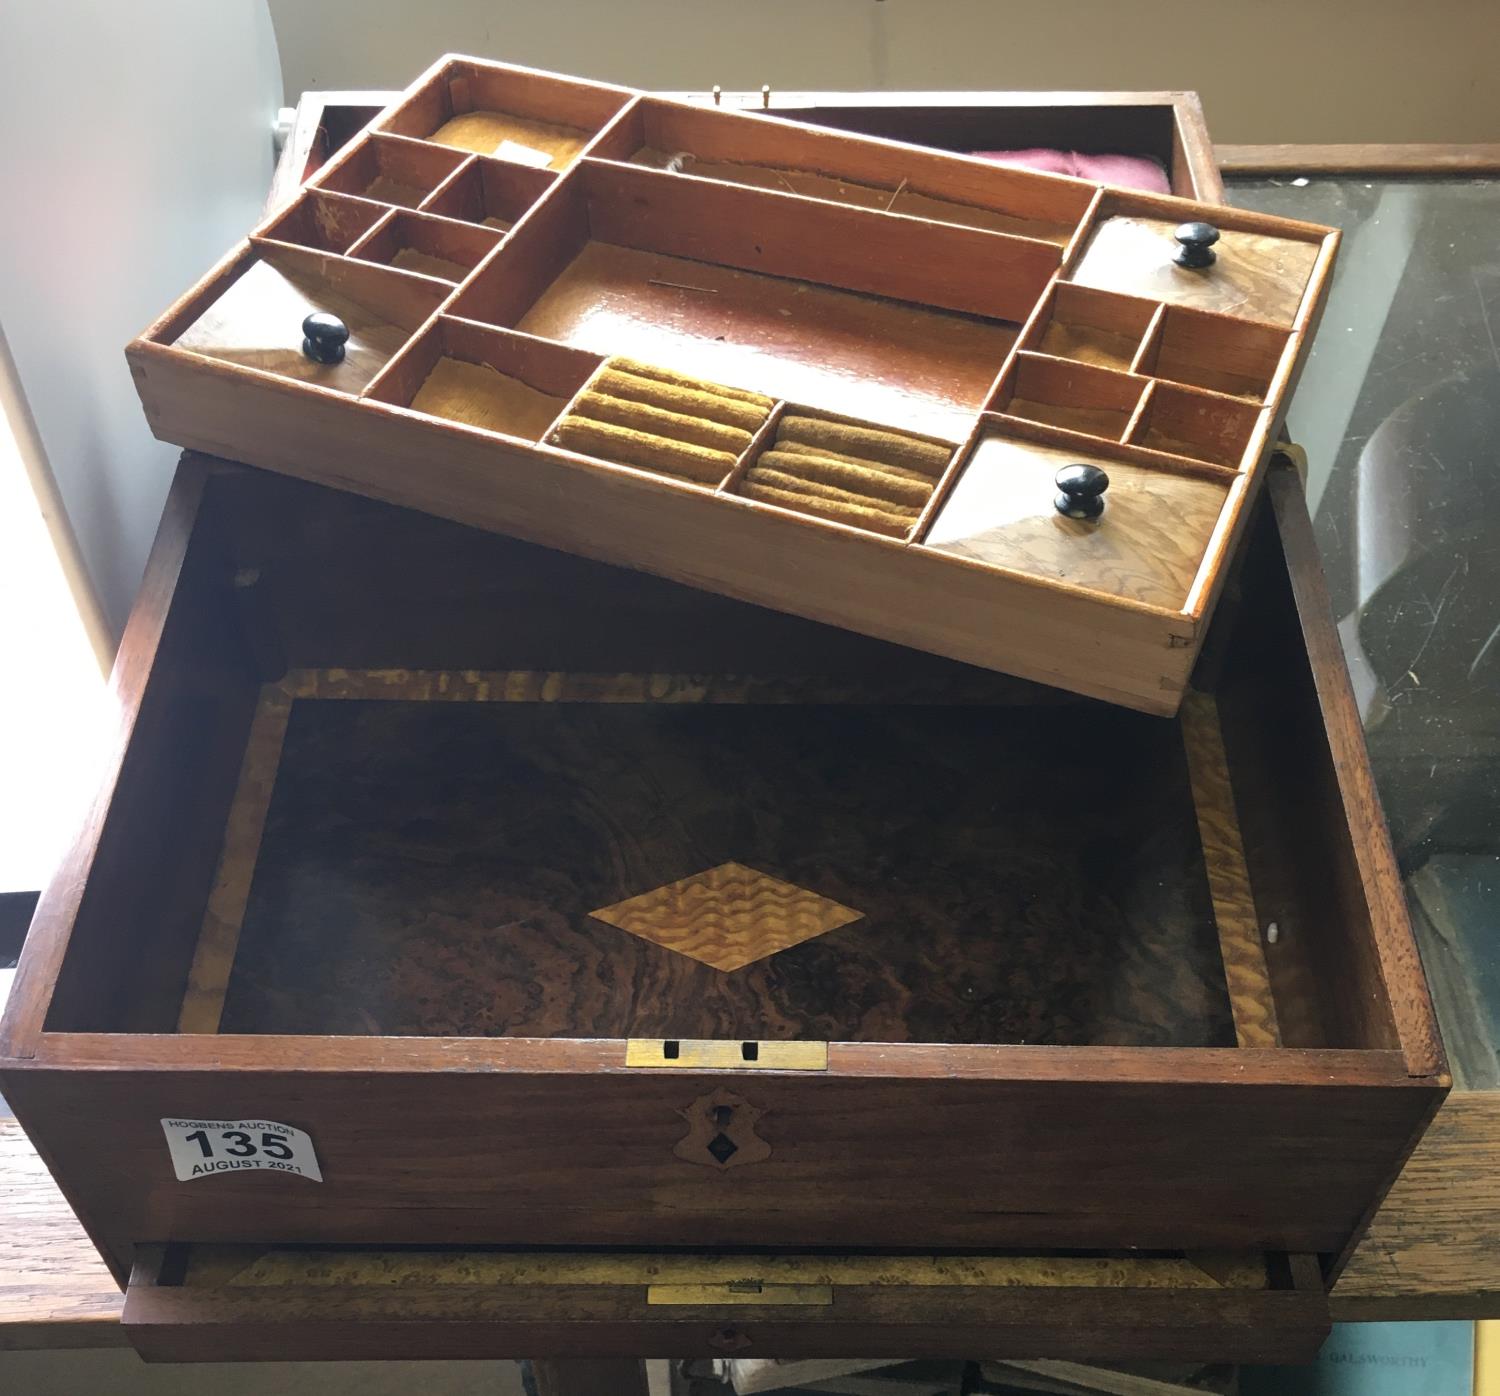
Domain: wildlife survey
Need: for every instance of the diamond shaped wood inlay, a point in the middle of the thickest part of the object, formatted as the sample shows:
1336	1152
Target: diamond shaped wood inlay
728	917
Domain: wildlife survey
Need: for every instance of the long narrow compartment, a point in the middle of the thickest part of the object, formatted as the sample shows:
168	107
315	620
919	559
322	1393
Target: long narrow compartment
766	153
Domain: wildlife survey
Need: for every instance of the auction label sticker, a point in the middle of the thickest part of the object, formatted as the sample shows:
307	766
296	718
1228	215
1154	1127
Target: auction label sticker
202	1148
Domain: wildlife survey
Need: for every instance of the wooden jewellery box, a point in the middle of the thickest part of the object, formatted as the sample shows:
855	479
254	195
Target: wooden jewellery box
1010	418
478	950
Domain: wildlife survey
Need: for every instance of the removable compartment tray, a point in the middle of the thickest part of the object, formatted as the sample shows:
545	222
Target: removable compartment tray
884	286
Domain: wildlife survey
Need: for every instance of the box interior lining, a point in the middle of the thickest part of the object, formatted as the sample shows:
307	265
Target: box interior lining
376	615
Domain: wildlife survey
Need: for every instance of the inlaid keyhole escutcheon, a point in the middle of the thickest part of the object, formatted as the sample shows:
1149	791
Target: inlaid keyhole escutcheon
721	1132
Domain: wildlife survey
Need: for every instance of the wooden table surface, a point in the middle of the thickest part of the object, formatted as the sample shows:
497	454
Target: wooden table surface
1432	1252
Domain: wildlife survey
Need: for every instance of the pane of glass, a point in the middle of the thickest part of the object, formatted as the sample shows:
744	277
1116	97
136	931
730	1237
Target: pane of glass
1399	410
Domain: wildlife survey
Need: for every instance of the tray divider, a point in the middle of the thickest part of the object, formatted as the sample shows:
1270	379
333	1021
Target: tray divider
946	482
459	172
406	370
1145	354
763	437
1081	234
1029	335
370	233
1214	567
572	402
1141	409
611	140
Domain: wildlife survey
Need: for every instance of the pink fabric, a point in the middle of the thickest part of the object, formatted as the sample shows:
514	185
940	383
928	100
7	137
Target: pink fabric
1127	171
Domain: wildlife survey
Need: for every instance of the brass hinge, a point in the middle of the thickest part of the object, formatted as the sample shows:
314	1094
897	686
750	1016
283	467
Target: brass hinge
686	1054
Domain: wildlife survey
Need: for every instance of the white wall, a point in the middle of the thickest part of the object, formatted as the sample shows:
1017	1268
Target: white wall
1269	70
136	152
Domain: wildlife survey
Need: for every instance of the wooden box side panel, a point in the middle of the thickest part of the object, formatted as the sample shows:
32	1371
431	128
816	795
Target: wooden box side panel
592	1158
1294	722
129	891
1137	657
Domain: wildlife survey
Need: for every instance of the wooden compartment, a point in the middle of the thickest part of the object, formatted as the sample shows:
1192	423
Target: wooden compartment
534	119
325	222
1258	272
1077	396
1200	425
390	171
890	288
494	193
1238	357
255	316
428	246
1092	327
483	378
813	464
1148	544
387	854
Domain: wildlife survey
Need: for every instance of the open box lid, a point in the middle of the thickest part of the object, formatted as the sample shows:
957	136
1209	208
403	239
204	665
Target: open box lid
1012	418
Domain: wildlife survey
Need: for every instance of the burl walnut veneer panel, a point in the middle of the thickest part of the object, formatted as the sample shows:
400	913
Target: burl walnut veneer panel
454	856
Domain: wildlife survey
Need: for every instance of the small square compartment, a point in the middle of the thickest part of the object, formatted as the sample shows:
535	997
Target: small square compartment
326	222
1093	327
1200	425
1237	357
436	247
525	118
254	317
1065	393
1146	545
391	171
493	193
495	380
1261	266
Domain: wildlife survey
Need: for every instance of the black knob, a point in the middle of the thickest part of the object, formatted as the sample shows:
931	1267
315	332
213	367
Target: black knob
1195	245
324	337
1080	491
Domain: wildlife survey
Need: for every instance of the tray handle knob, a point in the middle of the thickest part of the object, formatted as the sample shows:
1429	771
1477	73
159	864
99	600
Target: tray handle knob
324	337
1080	491
1195	245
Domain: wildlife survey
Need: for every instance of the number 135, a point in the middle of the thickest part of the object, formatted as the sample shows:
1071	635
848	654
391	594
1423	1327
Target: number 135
238	1144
